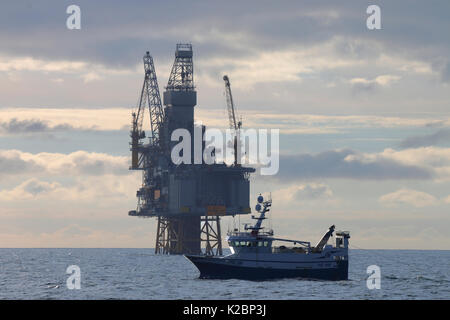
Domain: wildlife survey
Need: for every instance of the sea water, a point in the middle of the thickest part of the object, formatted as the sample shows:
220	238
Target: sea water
140	274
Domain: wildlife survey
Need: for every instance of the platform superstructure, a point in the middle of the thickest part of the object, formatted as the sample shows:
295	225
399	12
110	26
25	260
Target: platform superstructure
186	198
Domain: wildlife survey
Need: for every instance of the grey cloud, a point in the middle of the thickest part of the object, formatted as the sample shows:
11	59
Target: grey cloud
35	187
441	136
87	165
441	65
21	126
313	192
370	86
15	126
332	164
435	124
12	163
117	32
445	73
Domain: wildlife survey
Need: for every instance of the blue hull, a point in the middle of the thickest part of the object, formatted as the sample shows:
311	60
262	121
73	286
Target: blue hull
211	270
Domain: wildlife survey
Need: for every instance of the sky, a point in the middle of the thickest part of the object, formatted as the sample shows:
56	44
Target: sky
364	115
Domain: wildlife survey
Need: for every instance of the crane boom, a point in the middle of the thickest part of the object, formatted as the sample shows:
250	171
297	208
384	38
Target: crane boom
150	97
235	126
153	98
321	244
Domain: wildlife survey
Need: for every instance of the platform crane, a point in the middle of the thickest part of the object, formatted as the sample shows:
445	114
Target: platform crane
143	155
235	125
150	98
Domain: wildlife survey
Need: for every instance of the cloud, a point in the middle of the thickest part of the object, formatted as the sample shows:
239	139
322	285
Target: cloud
409	197
447	199
419	163
283	65
88	71
91	76
303	193
108	189
409	164
292	198
297	44
34	187
372	84
15	126
294	22
431	159
32	64
29	189
445	73
348	164
81	235
440	136
313	191
442	67
14	162
33	120
11	163
22	120
298	123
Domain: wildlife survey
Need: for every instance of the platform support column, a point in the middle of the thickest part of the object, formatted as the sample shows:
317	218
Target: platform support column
211	236
178	235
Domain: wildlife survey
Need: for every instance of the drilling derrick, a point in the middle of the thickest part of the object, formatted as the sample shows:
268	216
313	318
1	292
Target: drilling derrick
187	198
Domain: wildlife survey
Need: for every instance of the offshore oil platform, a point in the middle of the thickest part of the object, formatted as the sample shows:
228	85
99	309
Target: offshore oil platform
187	199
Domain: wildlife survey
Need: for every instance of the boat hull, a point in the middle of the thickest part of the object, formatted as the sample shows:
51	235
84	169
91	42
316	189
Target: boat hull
210	269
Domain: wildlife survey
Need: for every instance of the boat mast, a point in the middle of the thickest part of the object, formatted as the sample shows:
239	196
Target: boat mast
262	210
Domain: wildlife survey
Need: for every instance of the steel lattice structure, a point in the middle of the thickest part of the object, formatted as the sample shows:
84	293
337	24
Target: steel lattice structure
182	74
187	199
150	95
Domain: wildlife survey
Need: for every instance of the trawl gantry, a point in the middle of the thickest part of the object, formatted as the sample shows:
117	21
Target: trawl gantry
187	199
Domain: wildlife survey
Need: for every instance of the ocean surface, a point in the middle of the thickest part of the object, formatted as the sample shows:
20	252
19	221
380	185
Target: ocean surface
139	274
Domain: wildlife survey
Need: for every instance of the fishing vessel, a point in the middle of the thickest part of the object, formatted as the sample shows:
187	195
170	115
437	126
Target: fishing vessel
254	254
